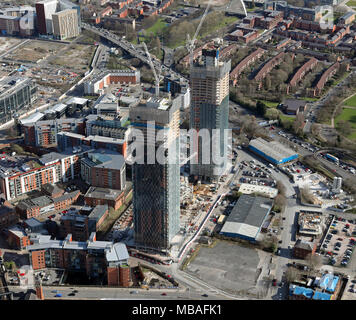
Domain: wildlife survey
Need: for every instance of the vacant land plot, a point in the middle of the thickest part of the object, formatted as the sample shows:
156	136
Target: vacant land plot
349	114
351	3
7	43
76	57
351	101
35	50
227	266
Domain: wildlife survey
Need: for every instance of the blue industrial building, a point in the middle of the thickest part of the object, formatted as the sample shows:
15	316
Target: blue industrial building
272	151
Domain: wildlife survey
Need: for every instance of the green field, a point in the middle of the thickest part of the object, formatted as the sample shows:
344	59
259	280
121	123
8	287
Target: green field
351	3
308	99
349	114
270	104
285	118
351	101
157	27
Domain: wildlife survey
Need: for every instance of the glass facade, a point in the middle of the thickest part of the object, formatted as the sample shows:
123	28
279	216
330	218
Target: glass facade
16	101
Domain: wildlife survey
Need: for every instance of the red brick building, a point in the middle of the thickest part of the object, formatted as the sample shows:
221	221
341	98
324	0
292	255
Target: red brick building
8	215
32	208
95	258
98	196
304	248
17	238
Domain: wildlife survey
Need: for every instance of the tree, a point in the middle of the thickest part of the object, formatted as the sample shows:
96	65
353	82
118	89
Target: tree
10	265
344	127
298	123
268	83
291	275
149	22
135	62
314	261
261	108
280	202
281	188
306	195
157	47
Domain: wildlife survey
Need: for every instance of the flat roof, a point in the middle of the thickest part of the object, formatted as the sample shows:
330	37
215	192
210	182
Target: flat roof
32	118
294	104
247	216
117	252
98	211
273	149
103	193
19	232
104	159
33	222
77	100
247	188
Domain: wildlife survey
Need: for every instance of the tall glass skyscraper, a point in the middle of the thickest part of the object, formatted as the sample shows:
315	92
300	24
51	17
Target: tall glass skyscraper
209	81
156	186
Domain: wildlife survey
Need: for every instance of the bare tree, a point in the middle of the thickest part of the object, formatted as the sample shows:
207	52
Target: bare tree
314	261
280	202
281	188
291	274
306	195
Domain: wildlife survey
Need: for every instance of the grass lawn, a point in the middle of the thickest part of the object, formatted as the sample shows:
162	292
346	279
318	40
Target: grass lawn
351	101
308	99
270	104
349	114
157	27
351	3
286	118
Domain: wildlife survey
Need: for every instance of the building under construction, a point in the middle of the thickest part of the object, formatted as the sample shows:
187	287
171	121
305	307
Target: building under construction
209	80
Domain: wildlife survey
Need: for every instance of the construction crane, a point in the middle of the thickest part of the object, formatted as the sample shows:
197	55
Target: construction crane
231	5
157	77
191	42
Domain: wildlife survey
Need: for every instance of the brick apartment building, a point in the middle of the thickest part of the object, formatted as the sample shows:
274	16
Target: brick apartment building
71	140
302	249
8	215
32	208
105	169
52	190
25	177
95	258
17	238
107	78
81	226
44	133
100	196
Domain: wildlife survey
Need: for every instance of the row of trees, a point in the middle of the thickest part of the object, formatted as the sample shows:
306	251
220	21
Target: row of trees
340	93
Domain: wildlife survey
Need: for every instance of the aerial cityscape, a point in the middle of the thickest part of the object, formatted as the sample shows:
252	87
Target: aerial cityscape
177	150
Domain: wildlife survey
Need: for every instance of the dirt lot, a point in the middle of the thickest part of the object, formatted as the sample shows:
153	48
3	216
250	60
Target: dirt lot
227	266
77	57
7	43
35	50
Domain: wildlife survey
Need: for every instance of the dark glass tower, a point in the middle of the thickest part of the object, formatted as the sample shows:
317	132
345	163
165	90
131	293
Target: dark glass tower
156	186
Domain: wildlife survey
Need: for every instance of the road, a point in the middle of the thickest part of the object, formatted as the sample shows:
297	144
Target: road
325	163
317	105
135	51
100	293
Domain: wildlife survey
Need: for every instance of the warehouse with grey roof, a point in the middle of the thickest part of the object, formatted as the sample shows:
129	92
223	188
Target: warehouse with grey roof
247	217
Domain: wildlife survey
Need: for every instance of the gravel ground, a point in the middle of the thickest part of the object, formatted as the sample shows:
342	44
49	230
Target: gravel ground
226	266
